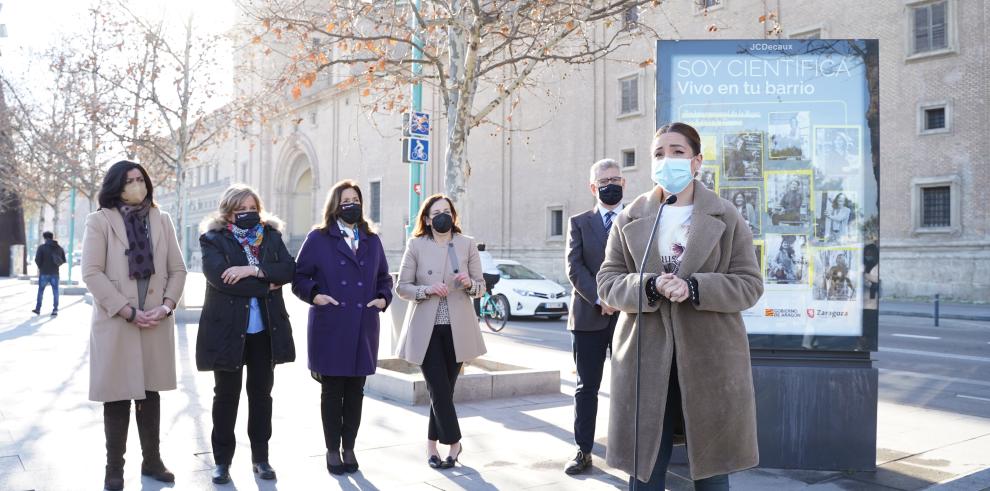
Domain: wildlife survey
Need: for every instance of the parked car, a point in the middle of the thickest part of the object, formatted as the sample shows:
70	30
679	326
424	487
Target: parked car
528	293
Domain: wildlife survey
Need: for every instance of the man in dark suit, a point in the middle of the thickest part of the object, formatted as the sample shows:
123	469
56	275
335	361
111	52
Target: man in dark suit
591	321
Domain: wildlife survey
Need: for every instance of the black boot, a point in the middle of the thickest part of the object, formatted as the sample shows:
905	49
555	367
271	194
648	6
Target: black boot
149	415
116	416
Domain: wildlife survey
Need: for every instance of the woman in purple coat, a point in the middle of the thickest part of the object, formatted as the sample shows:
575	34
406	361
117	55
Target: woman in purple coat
341	271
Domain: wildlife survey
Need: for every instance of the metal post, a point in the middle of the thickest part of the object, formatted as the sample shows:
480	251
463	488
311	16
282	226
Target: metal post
936	309
72	228
416	170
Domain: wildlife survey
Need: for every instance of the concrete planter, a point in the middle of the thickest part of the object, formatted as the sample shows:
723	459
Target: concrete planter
480	380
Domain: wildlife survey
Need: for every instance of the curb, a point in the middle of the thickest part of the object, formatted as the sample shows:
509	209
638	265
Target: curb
188	316
976	480
963	317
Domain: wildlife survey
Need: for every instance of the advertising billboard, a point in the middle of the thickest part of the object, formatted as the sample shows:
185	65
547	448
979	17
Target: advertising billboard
790	137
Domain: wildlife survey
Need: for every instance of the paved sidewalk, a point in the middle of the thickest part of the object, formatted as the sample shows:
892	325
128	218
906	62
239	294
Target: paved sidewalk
51	436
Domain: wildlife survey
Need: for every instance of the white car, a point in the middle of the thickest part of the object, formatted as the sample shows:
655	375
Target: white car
529	293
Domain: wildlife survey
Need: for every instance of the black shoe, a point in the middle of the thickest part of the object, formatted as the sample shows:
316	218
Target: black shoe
264	471
157	471
435	462
334	464
114	479
451	459
579	464
221	474
350	461
36	311
54	313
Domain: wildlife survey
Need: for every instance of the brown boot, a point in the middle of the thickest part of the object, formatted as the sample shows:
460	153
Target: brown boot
116	416
149	415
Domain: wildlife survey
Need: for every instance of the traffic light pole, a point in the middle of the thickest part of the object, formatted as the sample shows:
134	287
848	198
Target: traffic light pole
416	170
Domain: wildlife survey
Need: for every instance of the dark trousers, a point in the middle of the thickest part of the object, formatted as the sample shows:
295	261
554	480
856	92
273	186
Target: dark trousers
44	281
227	394
671	415
340	404
589	349
440	369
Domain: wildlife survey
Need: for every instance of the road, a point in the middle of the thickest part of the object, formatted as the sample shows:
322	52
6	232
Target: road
946	367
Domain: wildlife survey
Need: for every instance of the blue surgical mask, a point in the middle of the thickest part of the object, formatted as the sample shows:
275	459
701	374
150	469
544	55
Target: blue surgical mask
674	175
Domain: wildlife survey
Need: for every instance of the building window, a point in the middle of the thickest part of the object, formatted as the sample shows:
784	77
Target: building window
936	207
934	117
375	201
556	223
630	17
810	34
629	95
628	158
929	27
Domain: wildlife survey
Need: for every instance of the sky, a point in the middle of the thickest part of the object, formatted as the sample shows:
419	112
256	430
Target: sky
34	25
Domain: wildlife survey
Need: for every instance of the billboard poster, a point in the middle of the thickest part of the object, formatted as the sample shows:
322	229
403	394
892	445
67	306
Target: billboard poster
790	134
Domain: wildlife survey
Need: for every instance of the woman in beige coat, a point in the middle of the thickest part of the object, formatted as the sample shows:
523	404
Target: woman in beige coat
695	379
133	267
439	276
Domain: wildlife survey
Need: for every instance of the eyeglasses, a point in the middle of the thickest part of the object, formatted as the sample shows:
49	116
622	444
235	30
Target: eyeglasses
609	180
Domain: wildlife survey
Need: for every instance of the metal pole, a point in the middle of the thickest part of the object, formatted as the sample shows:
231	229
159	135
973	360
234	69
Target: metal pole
72	228
416	174
936	309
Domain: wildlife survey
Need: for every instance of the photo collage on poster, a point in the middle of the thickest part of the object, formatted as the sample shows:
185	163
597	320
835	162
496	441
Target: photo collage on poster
796	182
785	140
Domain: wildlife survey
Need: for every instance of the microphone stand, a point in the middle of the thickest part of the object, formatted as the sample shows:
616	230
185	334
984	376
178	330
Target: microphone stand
639	334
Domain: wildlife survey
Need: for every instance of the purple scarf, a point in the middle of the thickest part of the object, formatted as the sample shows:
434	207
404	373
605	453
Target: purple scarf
140	259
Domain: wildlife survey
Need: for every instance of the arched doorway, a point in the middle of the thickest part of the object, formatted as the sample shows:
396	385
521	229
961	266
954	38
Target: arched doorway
302	213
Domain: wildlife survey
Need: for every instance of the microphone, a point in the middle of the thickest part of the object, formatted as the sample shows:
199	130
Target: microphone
639	333
453	256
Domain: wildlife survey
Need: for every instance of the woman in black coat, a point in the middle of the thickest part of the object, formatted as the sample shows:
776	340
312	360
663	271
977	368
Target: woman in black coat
244	321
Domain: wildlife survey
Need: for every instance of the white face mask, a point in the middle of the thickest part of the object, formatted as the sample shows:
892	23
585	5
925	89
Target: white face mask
673	174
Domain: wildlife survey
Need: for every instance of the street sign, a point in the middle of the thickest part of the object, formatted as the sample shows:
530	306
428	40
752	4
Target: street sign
419	124
416	150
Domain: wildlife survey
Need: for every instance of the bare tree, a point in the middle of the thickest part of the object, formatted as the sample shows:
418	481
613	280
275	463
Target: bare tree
43	146
458	47
164	94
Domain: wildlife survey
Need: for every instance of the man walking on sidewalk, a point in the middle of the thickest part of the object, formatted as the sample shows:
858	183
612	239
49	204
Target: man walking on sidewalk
591	321
49	257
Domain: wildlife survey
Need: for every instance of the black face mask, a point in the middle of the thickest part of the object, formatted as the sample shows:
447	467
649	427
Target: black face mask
611	194
247	219
350	213
442	223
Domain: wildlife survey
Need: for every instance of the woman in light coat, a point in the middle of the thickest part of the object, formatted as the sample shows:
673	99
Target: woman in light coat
133	267
439	276
695	371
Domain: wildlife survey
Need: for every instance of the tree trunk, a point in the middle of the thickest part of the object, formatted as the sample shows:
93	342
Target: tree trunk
41	224
462	84
56	214
180	210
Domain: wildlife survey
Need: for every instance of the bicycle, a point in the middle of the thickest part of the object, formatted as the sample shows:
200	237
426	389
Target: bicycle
494	309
